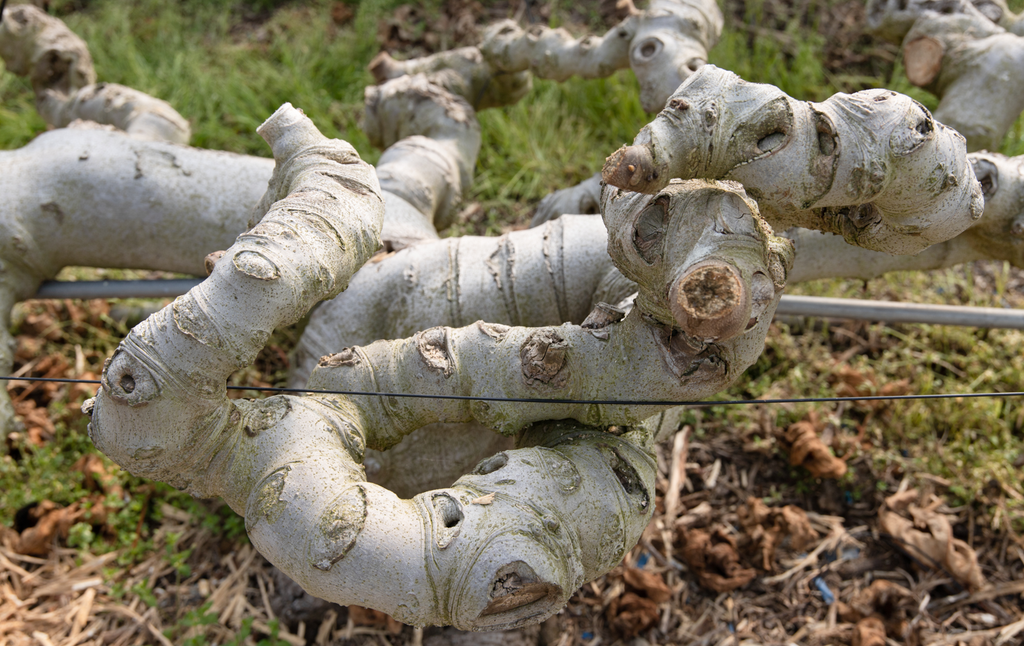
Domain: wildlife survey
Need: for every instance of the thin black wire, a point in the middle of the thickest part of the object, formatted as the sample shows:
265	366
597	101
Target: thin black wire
603	402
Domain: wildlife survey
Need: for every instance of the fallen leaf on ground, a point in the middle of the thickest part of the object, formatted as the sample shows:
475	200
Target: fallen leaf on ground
927	537
648	583
97	478
631	614
714	559
850	382
807	450
882	597
80	392
699	515
768	527
869	631
29	347
51	521
38	426
889	602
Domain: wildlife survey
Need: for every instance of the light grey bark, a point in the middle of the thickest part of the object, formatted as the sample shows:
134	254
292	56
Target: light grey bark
504	546
873	166
892	19
58	64
974	67
432	139
89	196
999	235
662	44
999	12
583	198
969	54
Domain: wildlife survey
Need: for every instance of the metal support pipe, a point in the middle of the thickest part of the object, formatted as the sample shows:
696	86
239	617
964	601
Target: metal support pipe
891	312
836	308
86	289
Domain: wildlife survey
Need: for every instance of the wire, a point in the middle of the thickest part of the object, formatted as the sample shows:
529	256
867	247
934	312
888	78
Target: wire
602	402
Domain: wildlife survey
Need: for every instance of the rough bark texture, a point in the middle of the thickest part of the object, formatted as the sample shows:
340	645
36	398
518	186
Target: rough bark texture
663	45
969	54
58	64
974	67
892	19
87	196
997	236
874	166
505	545
432	139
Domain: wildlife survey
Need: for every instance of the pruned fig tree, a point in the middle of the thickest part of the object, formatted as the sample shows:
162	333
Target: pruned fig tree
663	45
960	53
507	544
873	166
58	64
545	315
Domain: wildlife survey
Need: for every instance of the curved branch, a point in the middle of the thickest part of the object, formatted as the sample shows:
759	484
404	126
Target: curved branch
164	389
999	235
585	197
974	67
663	45
58	64
873	166
507	544
432	139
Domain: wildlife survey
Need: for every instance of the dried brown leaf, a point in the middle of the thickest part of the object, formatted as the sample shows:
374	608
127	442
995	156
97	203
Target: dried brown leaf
97	478
928	538
869	631
38	426
631	614
29	347
768	527
375	618
714	559
807	450
649	583
52	521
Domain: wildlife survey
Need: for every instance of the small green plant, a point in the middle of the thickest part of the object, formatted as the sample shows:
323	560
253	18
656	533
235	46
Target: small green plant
81	536
145	594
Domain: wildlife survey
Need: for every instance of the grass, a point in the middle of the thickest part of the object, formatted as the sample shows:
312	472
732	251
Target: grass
226	65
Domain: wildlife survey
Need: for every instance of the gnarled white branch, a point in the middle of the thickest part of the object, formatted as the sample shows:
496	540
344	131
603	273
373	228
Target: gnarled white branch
974	67
999	235
873	166
663	45
583	198
432	139
462	555
58	64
